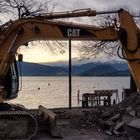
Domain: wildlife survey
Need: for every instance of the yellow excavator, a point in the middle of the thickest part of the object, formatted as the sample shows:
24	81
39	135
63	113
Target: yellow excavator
17	123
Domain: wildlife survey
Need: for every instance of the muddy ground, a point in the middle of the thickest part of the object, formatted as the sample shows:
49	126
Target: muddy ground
77	124
116	122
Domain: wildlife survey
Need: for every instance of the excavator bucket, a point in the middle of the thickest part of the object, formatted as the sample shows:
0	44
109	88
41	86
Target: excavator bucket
47	121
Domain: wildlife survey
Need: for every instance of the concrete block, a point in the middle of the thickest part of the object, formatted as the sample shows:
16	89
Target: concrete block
132	113
115	117
135	123
118	126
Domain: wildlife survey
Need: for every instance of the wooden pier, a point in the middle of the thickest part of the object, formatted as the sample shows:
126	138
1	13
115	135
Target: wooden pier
99	97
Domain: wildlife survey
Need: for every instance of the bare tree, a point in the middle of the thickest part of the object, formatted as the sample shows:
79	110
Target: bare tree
23	8
16	9
92	49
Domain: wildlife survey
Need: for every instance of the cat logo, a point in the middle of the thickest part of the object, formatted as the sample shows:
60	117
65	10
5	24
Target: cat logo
73	32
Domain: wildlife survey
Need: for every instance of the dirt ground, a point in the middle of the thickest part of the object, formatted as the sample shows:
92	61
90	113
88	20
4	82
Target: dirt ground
73	124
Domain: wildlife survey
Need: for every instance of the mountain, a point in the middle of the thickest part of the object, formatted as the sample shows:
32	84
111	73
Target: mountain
33	69
88	69
120	73
77	70
100	70
119	66
106	69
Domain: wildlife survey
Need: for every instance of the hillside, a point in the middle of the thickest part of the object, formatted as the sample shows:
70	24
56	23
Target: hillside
101	70
120	73
89	69
33	69
78	69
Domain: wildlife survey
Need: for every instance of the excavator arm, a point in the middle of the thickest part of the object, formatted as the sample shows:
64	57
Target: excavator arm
129	36
21	31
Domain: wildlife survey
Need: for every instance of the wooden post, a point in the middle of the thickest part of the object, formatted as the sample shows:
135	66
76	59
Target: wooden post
109	100
86	100
78	96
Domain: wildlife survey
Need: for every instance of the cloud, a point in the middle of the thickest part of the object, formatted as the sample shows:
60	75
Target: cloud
96	4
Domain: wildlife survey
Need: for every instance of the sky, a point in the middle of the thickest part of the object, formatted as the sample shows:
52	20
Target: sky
100	5
41	54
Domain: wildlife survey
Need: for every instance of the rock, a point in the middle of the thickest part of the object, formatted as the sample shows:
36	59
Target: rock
101	123
115	117
116	132
107	113
129	100
132	113
83	131
108	132
127	119
126	112
135	124
118	126
132	132
84	125
109	123
137	102
129	108
137	109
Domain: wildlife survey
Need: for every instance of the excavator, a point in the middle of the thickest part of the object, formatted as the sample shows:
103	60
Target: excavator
16	122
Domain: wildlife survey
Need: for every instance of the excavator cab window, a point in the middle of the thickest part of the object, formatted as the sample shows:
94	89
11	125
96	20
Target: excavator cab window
12	81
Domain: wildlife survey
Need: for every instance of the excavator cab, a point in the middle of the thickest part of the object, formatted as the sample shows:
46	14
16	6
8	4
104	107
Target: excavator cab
11	83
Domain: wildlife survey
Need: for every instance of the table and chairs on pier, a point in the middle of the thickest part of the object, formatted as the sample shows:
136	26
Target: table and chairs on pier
99	98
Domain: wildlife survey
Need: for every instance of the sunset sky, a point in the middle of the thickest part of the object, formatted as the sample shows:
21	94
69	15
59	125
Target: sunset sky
41	54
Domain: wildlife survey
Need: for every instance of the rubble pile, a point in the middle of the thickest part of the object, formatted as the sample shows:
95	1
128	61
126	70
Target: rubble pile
79	118
122	119
88	118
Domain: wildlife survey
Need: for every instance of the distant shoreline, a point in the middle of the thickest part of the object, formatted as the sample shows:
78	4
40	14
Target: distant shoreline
89	69
72	76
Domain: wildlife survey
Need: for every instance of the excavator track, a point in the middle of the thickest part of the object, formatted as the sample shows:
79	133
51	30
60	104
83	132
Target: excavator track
17	125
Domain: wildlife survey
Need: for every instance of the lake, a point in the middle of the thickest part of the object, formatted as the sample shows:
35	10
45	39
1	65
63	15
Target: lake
53	92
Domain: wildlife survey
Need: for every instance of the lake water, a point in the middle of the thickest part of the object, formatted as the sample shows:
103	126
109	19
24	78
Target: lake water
53	92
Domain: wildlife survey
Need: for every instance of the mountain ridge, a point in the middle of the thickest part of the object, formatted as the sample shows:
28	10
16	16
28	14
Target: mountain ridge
88	69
